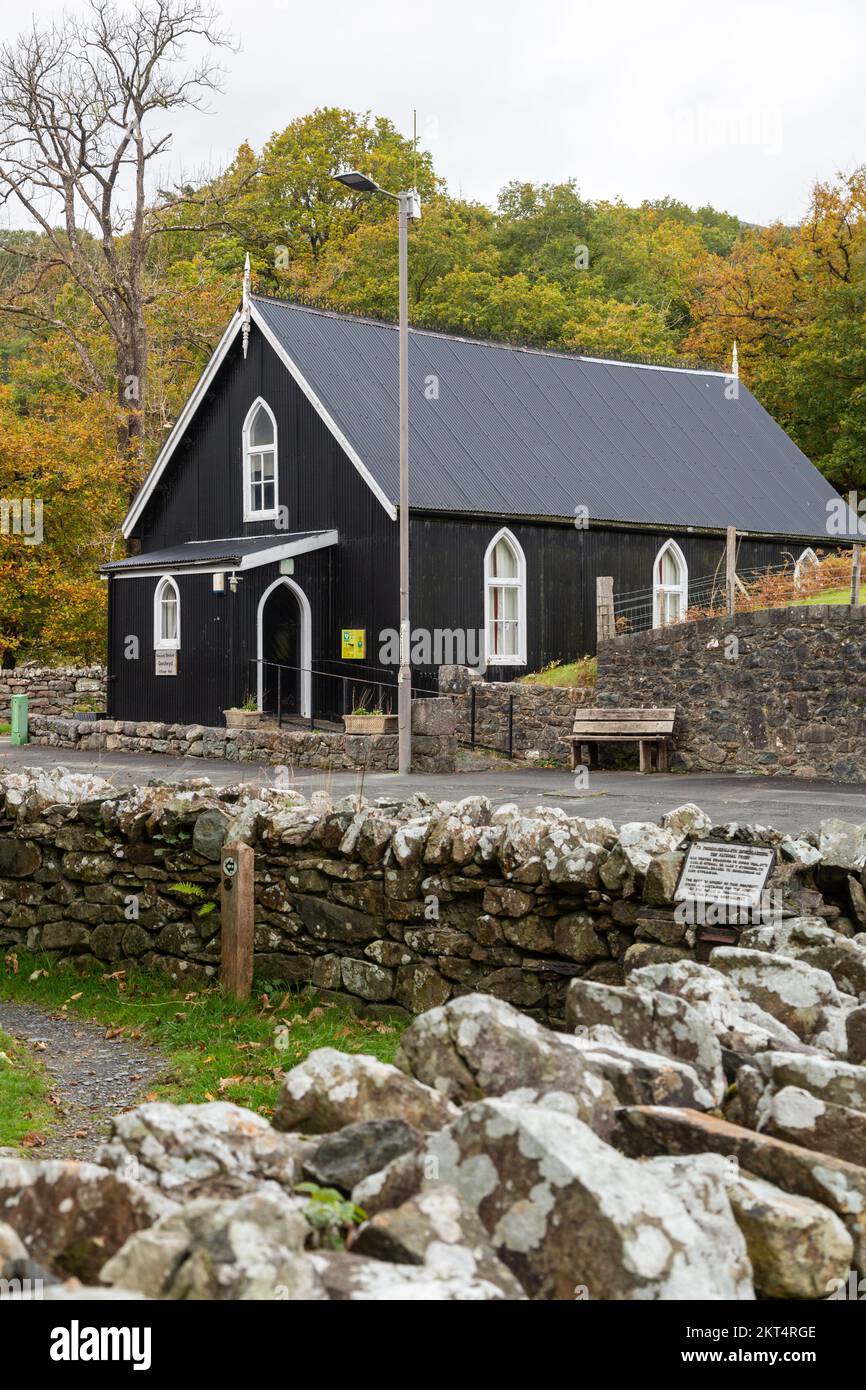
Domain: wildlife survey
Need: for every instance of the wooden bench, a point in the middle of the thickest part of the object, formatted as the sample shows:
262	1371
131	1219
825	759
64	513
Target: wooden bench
651	729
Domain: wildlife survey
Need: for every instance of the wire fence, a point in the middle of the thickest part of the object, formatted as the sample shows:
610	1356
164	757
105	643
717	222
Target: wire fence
637	610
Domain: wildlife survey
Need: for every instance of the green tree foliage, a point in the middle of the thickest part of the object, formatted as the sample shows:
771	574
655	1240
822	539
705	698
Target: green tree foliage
795	298
539	228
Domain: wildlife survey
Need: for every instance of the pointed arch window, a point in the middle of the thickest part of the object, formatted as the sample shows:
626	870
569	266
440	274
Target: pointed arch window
166	615
260	463
808	560
505	601
670	585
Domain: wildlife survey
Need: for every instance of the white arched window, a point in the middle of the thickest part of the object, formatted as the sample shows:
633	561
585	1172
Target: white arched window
166	616
260	463
505	601
807	561
670	585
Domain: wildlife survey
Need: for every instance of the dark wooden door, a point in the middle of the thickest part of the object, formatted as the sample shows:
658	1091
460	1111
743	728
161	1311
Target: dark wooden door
281	648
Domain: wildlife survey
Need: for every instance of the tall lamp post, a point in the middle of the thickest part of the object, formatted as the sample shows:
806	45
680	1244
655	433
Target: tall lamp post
409	207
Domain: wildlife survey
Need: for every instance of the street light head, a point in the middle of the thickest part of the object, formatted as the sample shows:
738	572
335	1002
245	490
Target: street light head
360	182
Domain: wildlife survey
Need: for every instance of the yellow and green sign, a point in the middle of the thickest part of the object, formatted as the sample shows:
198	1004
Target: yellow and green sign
354	643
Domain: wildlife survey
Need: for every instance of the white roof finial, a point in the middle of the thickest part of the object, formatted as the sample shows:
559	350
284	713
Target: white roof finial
246	305
735	362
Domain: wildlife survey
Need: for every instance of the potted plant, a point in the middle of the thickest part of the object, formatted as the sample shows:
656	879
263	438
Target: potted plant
245	716
368	718
88	712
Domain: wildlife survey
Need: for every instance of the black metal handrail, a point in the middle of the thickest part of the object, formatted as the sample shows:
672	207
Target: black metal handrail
345	678
348	679
508	750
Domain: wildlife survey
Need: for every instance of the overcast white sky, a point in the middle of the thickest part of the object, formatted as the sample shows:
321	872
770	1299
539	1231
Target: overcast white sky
742	105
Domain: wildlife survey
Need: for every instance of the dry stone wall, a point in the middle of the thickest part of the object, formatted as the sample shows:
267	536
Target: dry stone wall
405	904
58	690
541	717
434	741
779	692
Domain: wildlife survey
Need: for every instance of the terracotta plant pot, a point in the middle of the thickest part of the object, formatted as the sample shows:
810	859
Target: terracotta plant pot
370	723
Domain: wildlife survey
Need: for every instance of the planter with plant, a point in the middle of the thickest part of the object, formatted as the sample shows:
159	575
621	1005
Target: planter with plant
89	712
245	716
369	718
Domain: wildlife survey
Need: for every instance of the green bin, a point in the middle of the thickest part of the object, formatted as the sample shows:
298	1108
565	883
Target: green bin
19	719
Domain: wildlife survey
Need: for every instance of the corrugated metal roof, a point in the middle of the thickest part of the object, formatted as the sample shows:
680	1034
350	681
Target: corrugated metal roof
523	432
229	551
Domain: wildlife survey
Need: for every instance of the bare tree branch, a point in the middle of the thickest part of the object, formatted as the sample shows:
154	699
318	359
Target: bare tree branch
81	102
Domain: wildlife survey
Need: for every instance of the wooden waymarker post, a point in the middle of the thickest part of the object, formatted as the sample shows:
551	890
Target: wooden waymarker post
237	913
605	622
855	576
731	568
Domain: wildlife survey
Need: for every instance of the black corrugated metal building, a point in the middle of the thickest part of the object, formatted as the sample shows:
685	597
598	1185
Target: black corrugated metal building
266	532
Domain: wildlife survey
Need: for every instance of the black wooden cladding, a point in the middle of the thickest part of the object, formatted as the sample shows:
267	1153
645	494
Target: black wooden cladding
355	583
200	496
562	564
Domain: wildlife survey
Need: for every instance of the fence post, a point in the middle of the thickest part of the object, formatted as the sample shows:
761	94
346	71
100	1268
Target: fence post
855	576
237	917
731	568
472	716
511	726
605	623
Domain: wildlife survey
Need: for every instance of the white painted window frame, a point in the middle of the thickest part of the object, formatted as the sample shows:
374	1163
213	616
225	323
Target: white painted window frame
493	581
806	557
160	643
269	513
681	589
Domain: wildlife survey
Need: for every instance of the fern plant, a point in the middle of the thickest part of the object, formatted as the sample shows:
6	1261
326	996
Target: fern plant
194	890
191	890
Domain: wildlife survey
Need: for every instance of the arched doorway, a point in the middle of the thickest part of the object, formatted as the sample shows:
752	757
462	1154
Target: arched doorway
284	643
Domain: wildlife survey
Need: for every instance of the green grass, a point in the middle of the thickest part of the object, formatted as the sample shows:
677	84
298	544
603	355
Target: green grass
25	1109
5	729
217	1048
827	596
583	672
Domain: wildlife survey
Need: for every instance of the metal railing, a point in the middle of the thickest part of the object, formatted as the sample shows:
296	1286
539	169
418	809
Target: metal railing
344	689
508	750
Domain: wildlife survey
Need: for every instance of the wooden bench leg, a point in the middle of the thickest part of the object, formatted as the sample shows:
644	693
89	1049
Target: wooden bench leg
664	755
578	749
645	756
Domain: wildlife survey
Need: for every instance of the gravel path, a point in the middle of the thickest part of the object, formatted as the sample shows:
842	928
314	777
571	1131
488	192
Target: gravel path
94	1077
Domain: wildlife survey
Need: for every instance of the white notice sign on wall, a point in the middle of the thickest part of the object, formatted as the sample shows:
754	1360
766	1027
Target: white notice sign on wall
716	872
166	663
